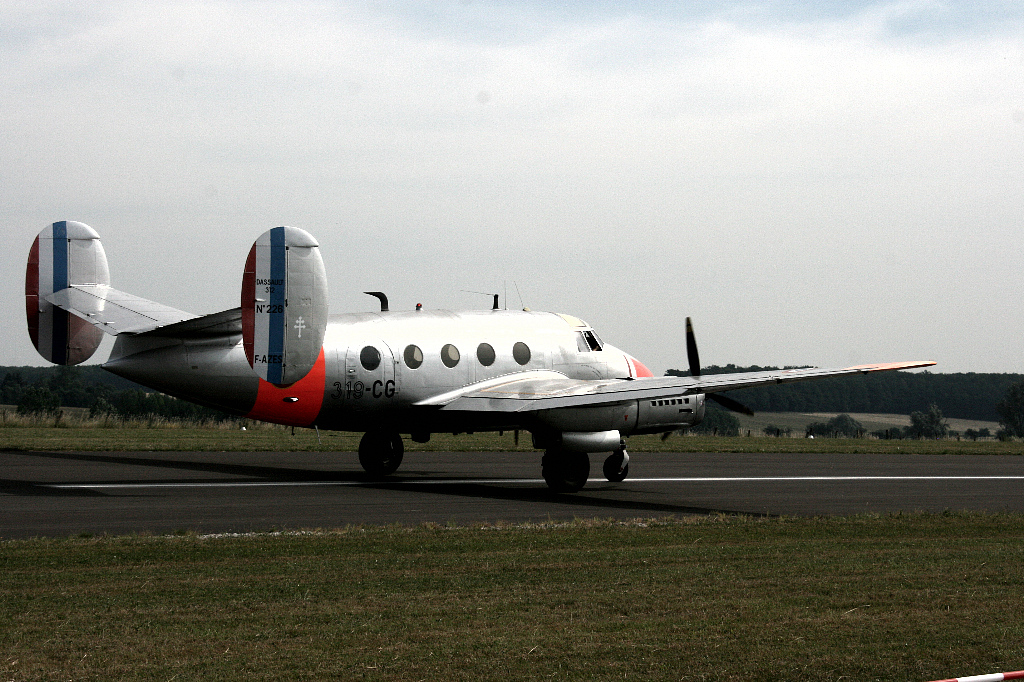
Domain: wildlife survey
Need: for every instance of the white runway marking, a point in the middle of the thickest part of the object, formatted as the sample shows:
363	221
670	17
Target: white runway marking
525	481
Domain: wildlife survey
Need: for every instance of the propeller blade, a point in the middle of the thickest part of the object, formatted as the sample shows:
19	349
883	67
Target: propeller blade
730	404
691	350
694	359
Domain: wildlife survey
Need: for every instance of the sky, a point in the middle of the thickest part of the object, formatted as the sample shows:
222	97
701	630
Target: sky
814	183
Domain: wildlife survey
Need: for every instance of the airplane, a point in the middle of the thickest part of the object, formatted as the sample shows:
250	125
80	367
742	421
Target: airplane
280	357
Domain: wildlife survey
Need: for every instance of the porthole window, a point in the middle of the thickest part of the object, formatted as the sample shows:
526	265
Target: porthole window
369	358
485	354
413	356
521	352
450	355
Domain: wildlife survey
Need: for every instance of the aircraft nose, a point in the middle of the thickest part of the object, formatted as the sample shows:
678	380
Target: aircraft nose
637	368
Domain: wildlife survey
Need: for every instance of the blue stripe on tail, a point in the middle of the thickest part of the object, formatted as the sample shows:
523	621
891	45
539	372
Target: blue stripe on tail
59	333
275	342
60	256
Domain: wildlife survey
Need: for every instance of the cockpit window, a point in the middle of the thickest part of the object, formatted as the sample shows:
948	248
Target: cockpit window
592	340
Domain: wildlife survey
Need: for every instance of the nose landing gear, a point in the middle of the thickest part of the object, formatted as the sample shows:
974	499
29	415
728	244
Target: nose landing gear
616	467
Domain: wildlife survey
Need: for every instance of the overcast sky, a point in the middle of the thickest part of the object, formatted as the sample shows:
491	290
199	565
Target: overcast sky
814	183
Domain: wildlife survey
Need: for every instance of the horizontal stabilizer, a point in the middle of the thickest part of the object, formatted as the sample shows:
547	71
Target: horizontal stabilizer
116	312
225	323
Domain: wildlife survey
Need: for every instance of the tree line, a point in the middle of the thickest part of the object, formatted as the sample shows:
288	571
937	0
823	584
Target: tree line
962	396
45	390
928	399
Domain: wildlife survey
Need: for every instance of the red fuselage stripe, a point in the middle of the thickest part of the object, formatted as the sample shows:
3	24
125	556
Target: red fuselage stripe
274	404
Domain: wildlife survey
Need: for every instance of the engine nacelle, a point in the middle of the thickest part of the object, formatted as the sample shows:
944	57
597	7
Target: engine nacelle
656	415
591	441
64	254
284	305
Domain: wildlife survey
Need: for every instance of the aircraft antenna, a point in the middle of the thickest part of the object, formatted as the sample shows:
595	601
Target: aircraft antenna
483	293
521	304
383	299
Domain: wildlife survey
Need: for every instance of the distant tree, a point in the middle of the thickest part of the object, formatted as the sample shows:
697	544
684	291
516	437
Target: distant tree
101	408
38	400
1011	410
975	434
840	426
11	388
717	421
930	424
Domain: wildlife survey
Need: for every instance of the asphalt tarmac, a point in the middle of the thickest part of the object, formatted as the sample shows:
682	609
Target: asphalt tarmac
60	494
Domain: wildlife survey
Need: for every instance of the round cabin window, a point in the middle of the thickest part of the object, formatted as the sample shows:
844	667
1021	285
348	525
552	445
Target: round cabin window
413	356
521	352
485	354
369	358
450	355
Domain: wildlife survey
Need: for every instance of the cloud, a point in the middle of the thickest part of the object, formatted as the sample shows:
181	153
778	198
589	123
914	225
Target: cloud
810	180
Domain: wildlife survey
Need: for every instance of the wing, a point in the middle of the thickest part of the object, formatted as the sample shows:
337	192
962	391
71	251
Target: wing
115	312
545	390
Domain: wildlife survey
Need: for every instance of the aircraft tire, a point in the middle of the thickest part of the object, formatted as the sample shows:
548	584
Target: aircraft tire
616	467
380	452
565	472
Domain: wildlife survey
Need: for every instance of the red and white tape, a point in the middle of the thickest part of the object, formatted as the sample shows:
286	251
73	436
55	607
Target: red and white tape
993	677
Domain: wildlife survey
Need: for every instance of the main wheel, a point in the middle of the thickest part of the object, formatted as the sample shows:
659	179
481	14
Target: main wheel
616	467
380	452
565	472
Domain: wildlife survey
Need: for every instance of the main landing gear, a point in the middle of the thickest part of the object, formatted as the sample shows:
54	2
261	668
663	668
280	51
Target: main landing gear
567	472
380	452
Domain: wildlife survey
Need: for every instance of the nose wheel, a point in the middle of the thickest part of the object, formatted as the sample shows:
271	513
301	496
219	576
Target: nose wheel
616	467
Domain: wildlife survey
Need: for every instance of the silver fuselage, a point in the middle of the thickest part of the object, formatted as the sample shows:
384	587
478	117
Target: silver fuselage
375	368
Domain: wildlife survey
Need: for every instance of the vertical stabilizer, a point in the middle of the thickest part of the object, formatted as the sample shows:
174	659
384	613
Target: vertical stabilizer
64	254
284	305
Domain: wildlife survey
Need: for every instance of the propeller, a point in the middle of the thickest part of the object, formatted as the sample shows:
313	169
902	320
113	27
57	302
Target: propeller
694	359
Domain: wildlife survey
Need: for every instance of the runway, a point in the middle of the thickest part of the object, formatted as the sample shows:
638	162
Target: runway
69	493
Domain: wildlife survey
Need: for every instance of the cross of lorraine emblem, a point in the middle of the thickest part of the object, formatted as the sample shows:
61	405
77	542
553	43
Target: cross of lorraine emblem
300	324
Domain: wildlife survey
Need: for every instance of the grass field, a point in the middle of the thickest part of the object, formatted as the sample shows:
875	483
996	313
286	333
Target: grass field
271	438
906	597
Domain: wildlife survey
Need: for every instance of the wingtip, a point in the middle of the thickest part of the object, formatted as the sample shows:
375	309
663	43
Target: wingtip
883	366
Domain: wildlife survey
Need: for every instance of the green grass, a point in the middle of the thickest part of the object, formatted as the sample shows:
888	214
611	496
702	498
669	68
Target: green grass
271	438
904	597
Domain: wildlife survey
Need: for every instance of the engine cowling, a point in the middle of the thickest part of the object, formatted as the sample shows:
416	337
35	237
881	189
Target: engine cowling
284	305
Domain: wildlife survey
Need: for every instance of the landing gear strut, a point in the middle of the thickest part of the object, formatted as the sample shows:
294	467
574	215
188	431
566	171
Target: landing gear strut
616	467
380	452
565	472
